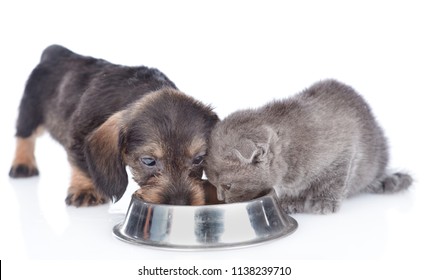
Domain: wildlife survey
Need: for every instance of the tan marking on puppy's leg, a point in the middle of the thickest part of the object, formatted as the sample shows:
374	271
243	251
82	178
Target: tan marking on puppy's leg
82	191
24	153
24	163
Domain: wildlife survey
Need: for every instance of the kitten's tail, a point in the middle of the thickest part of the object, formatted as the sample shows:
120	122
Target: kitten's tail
391	183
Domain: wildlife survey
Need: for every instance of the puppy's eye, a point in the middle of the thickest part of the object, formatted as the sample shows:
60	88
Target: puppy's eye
198	160
148	161
226	187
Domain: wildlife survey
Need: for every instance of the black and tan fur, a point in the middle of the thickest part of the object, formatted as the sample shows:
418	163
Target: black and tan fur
108	117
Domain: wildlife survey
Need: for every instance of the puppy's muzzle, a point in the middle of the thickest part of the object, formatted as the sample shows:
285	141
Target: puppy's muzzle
189	191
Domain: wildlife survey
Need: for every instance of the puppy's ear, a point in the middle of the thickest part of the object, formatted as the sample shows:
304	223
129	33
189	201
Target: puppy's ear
103	151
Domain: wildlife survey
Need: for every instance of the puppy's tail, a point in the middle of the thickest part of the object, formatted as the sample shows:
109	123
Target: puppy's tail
391	183
53	52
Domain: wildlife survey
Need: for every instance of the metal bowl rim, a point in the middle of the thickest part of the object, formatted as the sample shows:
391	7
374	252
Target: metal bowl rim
270	195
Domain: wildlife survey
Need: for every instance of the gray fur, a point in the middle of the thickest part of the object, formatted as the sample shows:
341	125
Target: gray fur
314	149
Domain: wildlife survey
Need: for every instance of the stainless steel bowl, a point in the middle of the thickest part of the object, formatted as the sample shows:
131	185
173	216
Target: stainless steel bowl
208	226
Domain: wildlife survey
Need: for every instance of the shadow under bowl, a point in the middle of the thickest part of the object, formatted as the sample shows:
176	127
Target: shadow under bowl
203	227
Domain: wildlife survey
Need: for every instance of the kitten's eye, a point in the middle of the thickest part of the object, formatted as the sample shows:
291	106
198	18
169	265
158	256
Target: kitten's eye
148	161
198	160
226	187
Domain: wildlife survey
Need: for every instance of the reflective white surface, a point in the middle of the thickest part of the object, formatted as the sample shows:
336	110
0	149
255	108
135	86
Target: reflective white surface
233	56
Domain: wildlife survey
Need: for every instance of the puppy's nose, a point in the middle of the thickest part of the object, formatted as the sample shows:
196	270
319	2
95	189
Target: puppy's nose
179	199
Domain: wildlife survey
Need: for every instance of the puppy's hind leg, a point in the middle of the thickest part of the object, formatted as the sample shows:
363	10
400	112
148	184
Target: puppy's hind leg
24	163
82	191
28	126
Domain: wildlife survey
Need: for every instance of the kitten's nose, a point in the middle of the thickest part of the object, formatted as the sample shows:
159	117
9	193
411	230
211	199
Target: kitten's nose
220	193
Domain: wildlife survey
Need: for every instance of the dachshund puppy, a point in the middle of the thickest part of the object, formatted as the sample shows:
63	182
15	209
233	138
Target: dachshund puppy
108	117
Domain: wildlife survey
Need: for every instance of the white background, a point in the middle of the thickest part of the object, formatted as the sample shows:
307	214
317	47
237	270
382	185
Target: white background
232	55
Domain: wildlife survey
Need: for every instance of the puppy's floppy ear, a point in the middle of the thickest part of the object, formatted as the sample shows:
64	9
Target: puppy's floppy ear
103	151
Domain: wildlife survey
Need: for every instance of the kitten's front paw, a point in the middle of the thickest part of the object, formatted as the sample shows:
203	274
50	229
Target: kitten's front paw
292	206
322	206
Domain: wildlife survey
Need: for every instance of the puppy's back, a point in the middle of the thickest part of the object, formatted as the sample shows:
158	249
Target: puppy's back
54	52
67	90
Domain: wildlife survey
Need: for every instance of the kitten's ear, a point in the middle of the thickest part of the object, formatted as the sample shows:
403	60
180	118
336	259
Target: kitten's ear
272	136
260	153
260	150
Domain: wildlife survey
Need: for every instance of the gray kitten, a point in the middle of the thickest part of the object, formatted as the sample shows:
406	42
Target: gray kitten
314	149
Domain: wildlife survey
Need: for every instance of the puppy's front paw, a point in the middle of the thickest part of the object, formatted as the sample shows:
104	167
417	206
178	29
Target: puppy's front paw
23	171
84	197
322	206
